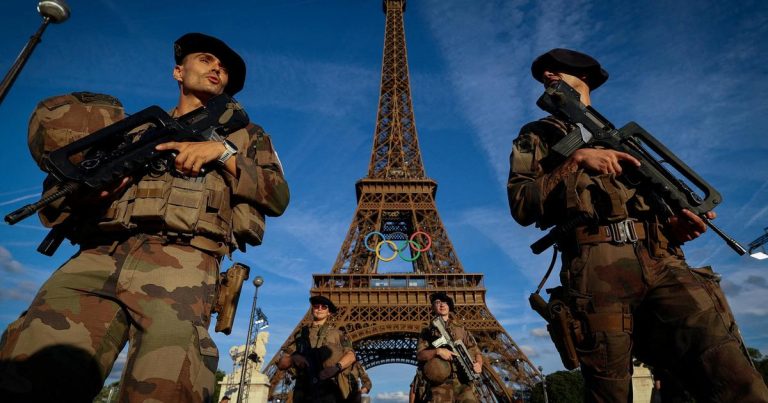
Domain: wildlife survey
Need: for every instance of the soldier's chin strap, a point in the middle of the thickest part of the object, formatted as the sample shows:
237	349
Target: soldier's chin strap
549	270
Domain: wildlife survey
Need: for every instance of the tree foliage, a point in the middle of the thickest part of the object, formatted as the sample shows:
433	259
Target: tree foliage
761	362
219	377
562	387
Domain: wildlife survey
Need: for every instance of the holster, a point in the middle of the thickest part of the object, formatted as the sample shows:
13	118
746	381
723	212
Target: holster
563	329
228	295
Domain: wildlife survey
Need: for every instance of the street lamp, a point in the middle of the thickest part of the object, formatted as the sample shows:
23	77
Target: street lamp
55	11
757	247
257	282
544	384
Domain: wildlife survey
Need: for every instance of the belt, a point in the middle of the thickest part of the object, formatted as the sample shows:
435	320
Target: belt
627	231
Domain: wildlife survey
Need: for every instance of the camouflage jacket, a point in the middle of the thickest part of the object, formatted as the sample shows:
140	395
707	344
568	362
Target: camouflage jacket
538	195
457	332
322	346
260	182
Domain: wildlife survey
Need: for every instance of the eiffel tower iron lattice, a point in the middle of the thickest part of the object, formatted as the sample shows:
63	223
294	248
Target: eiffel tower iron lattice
383	312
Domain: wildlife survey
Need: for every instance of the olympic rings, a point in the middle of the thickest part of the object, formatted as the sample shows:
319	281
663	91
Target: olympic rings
397	251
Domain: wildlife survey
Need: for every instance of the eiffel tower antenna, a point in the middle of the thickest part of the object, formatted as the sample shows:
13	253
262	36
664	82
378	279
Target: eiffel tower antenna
383	312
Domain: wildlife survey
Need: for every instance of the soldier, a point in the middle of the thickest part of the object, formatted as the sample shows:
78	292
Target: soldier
359	381
628	295
148	264
437	364
318	353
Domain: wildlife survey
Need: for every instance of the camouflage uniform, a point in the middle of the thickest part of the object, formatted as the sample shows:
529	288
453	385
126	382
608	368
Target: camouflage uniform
135	281
358	379
321	346
634	298
452	390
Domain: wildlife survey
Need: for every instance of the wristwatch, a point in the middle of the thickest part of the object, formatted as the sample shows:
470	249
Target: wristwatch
338	366
230	149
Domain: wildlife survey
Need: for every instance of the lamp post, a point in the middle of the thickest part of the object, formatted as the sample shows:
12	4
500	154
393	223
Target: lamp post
257	282
544	384
55	11
757	247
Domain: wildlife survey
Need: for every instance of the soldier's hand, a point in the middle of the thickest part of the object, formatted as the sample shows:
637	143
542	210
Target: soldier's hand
105	194
191	156
602	161
299	361
477	367
328	372
686	225
364	390
92	198
445	354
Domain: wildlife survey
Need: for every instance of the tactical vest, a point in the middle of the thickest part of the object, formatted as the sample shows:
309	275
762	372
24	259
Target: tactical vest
186	207
160	203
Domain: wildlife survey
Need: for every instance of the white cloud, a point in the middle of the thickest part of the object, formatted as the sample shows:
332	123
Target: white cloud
488	85
8	263
530	351
540	332
398	396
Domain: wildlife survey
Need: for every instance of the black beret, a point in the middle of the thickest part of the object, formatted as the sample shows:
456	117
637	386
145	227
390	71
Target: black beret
442	297
570	62
196	42
319	299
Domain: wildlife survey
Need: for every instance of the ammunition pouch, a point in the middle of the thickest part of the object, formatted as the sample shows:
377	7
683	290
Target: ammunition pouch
601	196
175	205
247	225
228	295
659	245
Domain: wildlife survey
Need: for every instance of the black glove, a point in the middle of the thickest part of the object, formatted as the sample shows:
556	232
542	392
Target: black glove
329	372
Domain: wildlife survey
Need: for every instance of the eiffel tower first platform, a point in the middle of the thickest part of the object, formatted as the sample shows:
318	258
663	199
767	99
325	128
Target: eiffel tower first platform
383	312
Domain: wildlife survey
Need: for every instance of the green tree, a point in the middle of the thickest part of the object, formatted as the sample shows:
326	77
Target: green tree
219	377
761	362
104	394
562	387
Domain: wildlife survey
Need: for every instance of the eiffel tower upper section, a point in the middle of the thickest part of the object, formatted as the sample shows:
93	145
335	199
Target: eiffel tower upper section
396	199
396	152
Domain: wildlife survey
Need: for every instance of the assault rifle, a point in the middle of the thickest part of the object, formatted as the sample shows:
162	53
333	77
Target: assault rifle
463	359
116	151
592	129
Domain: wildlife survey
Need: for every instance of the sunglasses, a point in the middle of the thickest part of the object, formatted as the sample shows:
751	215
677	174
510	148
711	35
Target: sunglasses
321	307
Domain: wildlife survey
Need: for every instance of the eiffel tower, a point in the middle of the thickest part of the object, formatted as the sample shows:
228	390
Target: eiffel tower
383	312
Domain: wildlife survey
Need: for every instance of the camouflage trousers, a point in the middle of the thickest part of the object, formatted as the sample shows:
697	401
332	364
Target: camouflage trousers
452	391
155	296
322	392
680	322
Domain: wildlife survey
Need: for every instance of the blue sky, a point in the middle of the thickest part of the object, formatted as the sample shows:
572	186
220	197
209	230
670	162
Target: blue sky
692	73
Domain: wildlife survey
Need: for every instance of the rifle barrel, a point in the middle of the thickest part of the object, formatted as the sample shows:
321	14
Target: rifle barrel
734	244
